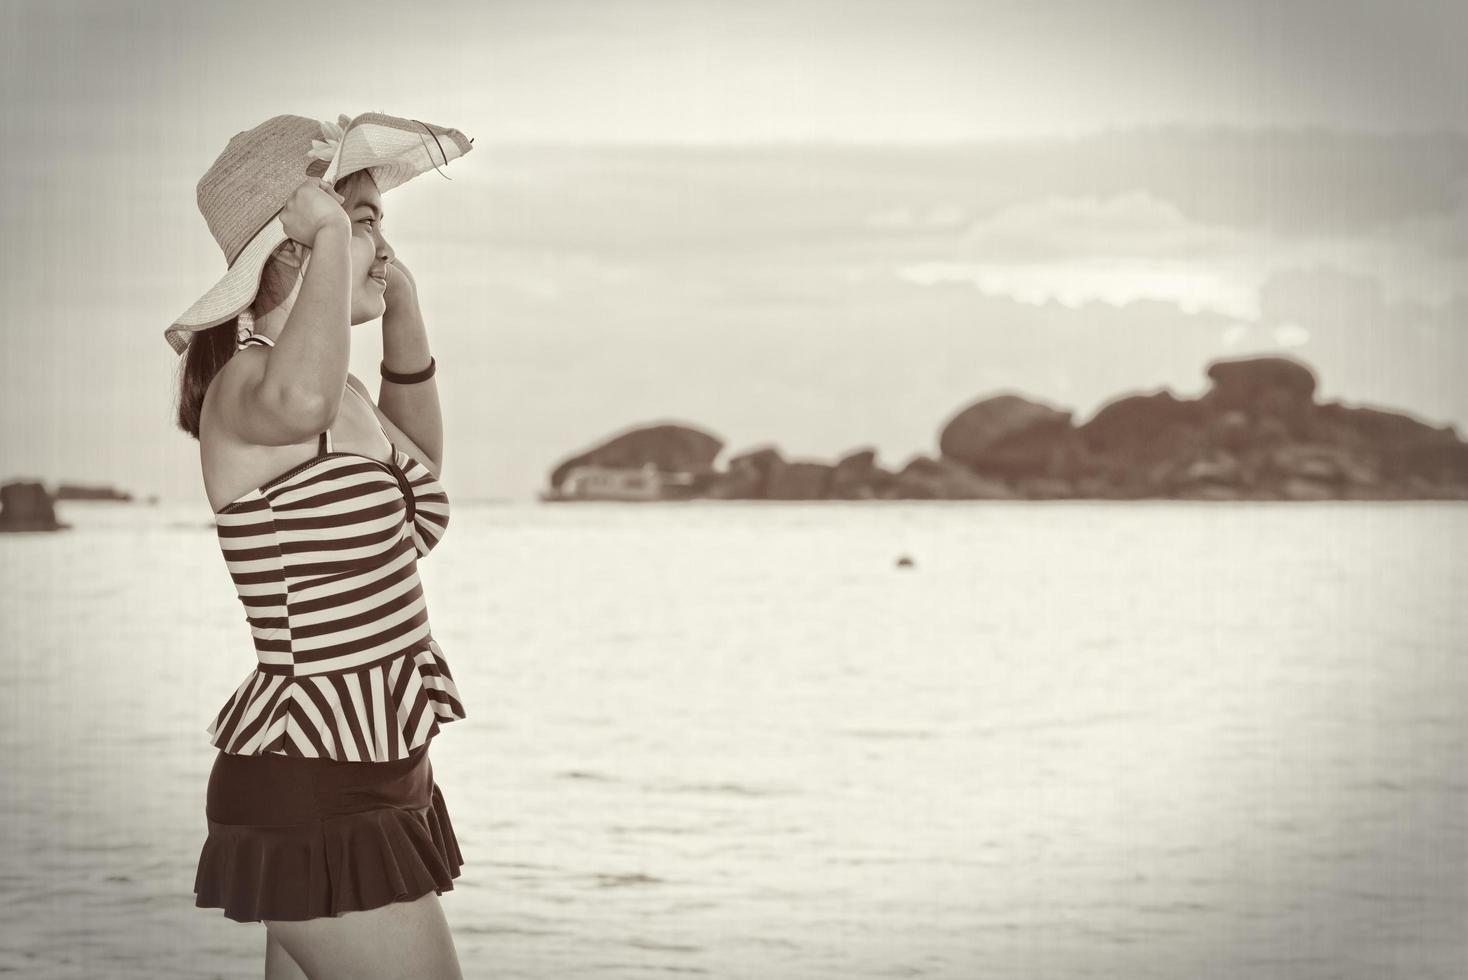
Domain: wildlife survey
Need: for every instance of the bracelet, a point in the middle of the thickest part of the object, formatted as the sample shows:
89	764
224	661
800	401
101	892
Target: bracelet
410	379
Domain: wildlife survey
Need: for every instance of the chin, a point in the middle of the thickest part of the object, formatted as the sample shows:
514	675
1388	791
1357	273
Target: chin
374	311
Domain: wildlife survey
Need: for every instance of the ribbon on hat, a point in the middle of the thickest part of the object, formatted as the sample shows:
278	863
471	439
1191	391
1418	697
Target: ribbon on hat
430	152
331	132
329	145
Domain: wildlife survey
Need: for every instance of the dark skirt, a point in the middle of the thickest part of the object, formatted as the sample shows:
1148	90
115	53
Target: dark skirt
293	838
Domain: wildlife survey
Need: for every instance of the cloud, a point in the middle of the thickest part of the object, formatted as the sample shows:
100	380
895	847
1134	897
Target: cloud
1291	335
1117	249
1191	287
1130	224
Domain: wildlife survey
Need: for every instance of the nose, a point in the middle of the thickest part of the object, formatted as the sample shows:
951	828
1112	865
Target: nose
384	250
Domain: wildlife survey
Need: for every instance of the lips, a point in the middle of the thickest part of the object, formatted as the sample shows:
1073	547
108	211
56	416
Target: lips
380	277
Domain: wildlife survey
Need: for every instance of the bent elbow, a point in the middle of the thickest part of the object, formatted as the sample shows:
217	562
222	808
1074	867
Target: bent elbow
302	411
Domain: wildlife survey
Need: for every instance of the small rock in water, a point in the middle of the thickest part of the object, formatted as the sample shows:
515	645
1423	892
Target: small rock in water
25	505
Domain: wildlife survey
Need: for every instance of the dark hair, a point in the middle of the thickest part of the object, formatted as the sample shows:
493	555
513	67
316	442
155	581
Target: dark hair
210	348
207	351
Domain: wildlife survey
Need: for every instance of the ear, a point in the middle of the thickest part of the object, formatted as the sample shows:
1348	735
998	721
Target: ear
290	253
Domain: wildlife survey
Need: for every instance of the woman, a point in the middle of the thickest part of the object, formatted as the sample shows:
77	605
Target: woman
324	821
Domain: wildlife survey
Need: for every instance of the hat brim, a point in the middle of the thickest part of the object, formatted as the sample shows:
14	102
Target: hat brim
234	291
393	149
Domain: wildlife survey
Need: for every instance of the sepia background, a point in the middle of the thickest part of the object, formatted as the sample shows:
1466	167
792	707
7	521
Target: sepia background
1131	739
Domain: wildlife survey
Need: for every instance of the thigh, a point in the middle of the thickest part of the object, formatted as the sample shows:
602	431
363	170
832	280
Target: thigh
278	963
400	939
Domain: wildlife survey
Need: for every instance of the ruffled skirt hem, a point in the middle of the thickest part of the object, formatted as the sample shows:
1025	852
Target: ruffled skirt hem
344	863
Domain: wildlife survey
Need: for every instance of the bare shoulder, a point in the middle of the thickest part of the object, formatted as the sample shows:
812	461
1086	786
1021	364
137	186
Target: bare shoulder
398	436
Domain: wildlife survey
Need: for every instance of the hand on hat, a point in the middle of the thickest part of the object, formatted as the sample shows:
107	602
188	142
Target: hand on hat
312	206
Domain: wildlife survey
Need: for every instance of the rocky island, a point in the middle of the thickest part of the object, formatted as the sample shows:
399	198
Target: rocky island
80	491
1257	434
26	506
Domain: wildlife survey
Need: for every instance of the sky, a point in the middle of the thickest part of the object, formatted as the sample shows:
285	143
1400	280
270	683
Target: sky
821	226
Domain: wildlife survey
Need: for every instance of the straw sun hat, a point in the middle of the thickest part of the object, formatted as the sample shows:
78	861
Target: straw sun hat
244	190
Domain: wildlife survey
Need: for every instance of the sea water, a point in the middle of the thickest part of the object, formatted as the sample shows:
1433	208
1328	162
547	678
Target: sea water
1069	739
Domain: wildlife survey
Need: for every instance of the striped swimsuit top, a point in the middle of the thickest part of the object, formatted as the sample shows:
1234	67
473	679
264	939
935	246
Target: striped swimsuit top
325	560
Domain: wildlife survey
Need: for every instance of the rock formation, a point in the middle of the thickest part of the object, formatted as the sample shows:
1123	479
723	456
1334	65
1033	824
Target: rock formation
78	491
26	506
1256	434
671	448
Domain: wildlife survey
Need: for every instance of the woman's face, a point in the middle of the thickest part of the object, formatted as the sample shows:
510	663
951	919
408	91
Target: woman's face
369	250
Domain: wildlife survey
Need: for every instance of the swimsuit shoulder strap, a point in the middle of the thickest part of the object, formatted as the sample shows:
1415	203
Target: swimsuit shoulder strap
245	335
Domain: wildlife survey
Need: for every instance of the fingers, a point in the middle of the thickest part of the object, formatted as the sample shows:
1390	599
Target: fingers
331	190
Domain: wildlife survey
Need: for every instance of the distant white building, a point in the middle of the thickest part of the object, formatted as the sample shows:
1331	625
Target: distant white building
591	482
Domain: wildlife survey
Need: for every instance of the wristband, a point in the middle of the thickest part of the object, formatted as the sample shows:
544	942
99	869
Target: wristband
409	379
